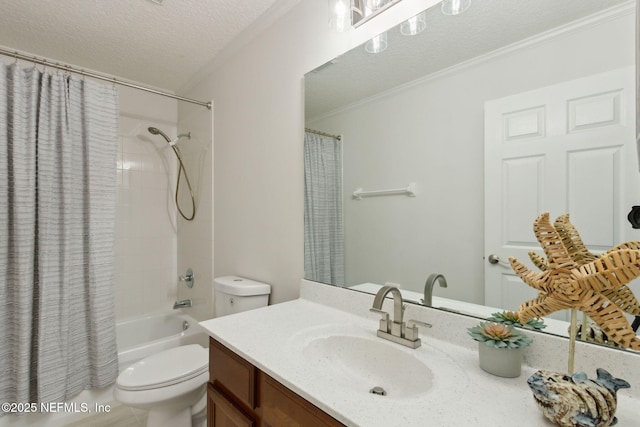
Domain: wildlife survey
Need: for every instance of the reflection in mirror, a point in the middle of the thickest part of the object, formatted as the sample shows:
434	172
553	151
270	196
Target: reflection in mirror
364	10
498	114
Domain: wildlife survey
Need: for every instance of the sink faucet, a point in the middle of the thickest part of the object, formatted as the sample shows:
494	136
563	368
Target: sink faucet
395	330
182	304
428	287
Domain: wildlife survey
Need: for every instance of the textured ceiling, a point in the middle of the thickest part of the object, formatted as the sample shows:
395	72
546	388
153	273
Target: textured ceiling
159	45
448	40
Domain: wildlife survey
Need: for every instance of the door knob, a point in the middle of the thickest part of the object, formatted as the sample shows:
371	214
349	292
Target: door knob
493	259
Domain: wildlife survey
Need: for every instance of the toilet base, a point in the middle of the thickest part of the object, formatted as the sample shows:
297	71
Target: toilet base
195	416
169	418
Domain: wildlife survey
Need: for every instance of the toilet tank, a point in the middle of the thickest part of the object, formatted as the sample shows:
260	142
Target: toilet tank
233	294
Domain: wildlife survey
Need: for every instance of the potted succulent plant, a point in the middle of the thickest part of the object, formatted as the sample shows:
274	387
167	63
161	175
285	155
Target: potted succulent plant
500	348
512	318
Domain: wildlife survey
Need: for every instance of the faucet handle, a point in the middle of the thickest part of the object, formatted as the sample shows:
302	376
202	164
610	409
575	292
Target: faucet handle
384	322
411	331
188	278
382	312
411	323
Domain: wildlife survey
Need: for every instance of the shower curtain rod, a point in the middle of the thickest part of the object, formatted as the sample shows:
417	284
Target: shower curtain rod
317	132
114	80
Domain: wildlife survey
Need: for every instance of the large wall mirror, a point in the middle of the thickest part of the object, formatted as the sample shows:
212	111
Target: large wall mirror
508	110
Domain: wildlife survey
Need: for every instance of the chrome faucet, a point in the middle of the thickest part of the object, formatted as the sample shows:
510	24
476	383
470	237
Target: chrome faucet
428	287
182	304
396	330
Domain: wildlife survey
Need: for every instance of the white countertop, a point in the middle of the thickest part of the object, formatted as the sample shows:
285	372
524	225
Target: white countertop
272	339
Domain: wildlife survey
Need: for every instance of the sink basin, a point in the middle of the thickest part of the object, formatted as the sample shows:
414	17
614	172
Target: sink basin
361	364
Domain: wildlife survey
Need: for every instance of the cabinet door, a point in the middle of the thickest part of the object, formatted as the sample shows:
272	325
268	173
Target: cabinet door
221	412
282	407
235	374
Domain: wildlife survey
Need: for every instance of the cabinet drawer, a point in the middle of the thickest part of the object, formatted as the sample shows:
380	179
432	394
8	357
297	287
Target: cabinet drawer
221	412
229	371
282	407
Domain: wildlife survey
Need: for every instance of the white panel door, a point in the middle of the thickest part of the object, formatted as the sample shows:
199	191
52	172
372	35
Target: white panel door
569	147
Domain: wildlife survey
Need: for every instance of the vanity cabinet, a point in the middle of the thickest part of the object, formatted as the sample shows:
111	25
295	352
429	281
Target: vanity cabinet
239	394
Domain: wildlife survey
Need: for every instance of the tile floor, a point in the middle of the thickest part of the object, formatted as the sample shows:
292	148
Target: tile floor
119	416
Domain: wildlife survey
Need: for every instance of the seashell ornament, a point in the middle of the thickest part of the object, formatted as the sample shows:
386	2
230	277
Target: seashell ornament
576	401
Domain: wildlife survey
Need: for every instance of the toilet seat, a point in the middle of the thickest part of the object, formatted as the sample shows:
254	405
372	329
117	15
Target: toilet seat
169	367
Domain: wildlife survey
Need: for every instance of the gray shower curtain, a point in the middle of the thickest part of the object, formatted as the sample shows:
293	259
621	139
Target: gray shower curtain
58	142
323	223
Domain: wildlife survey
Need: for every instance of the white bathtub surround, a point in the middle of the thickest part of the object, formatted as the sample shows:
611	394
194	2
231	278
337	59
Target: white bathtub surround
149	335
275	337
146	275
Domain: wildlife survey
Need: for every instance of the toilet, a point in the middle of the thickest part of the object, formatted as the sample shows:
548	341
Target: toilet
172	384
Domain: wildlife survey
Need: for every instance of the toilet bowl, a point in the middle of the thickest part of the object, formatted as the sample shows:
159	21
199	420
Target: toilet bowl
172	384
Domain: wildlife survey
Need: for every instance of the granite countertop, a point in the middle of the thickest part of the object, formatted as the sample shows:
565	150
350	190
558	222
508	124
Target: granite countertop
273	339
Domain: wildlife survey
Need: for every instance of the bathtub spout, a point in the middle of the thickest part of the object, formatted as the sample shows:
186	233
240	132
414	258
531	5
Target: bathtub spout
182	304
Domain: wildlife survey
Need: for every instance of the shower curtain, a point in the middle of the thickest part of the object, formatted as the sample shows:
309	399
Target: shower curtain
323	224
58	142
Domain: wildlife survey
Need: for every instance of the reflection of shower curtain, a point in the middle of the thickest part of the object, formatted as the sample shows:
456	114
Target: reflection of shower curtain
58	141
323	231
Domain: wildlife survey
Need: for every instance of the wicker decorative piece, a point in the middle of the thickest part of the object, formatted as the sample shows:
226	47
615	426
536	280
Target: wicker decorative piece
579	253
592	333
568	285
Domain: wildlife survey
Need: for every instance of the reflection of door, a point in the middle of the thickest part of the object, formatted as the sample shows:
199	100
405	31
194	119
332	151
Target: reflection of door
562	148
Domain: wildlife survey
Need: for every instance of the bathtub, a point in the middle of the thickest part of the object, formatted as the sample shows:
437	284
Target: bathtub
148	335
136	339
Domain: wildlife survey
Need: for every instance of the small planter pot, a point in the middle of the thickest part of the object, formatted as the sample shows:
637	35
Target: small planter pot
502	362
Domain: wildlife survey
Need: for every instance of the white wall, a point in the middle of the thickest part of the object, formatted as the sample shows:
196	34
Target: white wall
432	133
257	88
146	234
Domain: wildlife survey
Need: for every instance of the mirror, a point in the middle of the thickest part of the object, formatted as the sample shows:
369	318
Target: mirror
364	10
416	113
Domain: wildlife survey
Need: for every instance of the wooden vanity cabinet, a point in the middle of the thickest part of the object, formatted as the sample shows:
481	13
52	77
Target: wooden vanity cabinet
239	394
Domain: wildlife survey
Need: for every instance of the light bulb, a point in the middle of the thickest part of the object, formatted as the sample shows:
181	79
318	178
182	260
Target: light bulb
414	25
377	4
455	7
377	44
339	14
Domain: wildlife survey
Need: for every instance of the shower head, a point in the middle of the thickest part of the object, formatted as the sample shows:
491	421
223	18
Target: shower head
172	142
156	131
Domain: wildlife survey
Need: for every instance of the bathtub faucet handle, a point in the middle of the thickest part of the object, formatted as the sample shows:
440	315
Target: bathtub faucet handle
188	278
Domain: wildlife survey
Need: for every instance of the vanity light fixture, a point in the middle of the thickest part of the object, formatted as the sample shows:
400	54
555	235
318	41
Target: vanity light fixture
364	10
374	5
339	15
414	25
455	7
377	44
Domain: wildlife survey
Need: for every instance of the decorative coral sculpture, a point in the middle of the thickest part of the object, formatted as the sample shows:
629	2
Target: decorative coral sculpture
566	284
579	253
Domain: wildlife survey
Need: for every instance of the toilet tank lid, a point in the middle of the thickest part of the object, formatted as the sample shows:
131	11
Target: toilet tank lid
240	286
